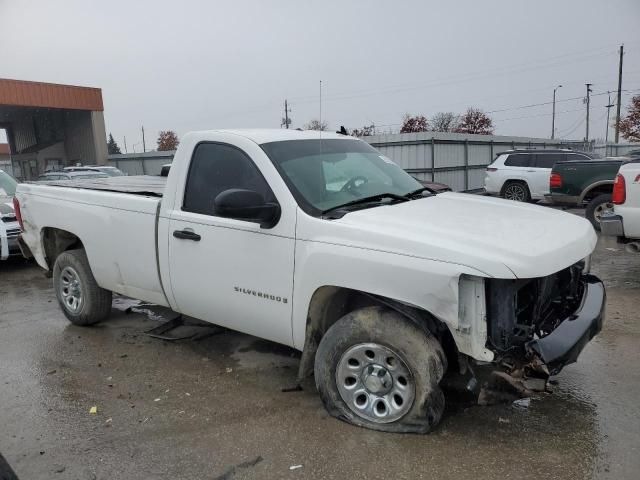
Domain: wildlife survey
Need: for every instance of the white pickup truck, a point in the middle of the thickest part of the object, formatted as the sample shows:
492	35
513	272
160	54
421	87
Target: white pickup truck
624	221
319	242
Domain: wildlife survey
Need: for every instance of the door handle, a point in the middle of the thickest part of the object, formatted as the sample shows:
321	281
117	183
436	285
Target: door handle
186	235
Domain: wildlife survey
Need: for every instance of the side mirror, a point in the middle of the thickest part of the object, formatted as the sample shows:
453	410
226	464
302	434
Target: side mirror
247	205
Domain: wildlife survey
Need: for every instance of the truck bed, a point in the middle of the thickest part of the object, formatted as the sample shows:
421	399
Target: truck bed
115	219
137	185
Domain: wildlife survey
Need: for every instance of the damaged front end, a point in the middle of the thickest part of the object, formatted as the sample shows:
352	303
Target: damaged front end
537	326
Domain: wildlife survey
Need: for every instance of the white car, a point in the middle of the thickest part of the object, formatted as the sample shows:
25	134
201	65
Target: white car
379	282
9	226
523	175
624	221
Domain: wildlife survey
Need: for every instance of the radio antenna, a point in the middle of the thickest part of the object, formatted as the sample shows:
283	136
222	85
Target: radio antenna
320	126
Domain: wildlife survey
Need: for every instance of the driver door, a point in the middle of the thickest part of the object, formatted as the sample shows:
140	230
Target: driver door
229	271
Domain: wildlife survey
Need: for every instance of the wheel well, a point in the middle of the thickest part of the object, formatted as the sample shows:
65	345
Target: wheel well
513	180
593	192
329	304
55	241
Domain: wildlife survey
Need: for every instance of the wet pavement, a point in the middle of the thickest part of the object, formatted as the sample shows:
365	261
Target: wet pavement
213	408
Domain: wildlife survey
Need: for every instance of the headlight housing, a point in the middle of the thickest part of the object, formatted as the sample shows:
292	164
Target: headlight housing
586	264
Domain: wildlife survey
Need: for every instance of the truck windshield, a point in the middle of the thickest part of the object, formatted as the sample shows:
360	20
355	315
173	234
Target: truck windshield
7	185
324	174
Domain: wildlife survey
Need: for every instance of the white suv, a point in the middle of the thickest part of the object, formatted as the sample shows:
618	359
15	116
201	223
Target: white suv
523	175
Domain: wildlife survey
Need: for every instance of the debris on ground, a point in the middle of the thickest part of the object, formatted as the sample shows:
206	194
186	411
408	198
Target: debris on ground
535	384
522	403
59	468
51	372
295	467
297	388
93	410
157	400
503	420
229	370
230	473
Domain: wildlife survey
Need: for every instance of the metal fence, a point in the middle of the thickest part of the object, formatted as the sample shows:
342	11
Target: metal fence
615	149
456	159
149	163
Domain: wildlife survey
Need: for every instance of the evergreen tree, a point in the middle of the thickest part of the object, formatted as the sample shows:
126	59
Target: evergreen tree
112	146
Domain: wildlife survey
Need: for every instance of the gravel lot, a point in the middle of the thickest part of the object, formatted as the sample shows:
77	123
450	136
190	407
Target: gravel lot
214	408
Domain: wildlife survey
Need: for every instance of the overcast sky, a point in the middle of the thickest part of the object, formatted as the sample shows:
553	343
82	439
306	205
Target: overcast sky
212	64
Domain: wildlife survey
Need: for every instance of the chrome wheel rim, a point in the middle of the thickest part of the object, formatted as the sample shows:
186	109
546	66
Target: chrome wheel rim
375	383
70	290
601	210
515	192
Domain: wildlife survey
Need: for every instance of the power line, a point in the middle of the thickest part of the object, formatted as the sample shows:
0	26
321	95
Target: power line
572	128
454	79
524	107
579	124
535	116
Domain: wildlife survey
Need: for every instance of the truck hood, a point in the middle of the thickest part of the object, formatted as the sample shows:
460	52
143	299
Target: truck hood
499	238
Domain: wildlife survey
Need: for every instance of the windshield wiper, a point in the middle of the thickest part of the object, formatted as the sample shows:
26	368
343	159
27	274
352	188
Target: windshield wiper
372	198
420	190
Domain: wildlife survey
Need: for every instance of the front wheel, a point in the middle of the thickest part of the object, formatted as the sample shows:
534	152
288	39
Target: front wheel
82	301
598	207
376	369
517	191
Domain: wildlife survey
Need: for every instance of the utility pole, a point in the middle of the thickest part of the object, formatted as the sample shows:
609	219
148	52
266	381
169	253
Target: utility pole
287	121
144	146
553	117
286	114
125	145
586	137
606	134
619	94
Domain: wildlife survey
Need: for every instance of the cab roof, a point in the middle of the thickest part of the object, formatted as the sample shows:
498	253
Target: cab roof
261	136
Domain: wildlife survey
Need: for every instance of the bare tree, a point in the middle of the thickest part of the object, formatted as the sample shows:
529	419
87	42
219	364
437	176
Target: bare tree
444	122
475	121
316	125
365	131
411	124
167	140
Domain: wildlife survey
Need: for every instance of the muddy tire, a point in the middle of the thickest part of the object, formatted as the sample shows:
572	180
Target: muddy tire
516	190
597	207
376	369
81	299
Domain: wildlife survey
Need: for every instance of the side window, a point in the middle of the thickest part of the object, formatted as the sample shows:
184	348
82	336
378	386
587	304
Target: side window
548	160
518	160
216	168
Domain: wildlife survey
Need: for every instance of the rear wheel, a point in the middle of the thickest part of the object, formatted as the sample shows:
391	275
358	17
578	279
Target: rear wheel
517	191
598	207
376	369
82	301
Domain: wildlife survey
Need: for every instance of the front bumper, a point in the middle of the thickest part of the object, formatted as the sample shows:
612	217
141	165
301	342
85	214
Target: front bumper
611	224
562	346
9	241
